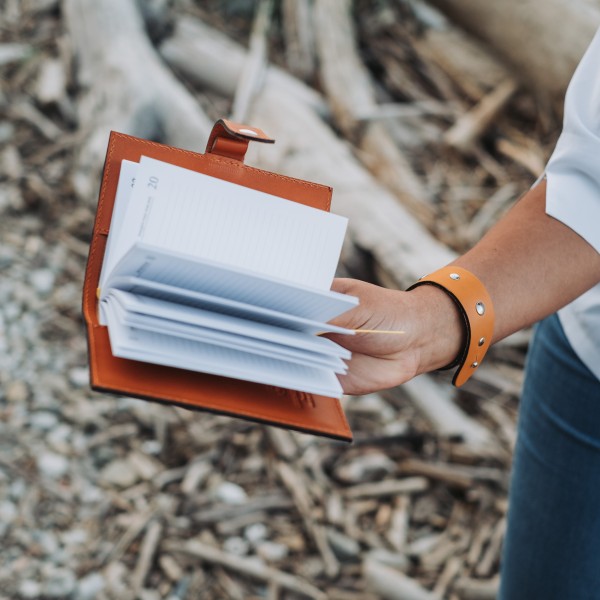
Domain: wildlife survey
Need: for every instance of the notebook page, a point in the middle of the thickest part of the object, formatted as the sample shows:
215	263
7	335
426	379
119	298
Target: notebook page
137	344
219	322
201	216
161	291
231	282
121	228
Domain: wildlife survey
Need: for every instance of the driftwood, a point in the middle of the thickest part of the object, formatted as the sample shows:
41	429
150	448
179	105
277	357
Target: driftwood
377	223
542	41
127	87
391	584
351	95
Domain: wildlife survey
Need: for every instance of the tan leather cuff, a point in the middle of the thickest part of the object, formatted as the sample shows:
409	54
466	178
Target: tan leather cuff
477	312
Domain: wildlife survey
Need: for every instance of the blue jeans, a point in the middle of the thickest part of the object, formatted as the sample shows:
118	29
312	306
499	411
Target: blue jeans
552	545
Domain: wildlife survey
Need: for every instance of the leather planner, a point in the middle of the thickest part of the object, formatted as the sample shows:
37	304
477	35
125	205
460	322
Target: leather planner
268	404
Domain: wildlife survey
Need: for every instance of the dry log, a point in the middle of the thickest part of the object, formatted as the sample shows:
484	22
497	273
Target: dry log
351	93
543	41
256	62
377	222
476	589
222	62
469	128
448	420
127	87
390	584
245	566
298	490
300	56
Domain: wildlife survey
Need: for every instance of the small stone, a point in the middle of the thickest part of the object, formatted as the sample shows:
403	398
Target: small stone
52	465
344	547
90	586
272	551
255	533
79	377
17	392
230	493
42	280
60	584
8	511
236	545
30	589
120	473
43	420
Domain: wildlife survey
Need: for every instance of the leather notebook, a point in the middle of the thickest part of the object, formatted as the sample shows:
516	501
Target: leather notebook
223	159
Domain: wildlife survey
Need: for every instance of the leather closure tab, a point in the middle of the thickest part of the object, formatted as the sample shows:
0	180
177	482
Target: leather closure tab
231	139
477	311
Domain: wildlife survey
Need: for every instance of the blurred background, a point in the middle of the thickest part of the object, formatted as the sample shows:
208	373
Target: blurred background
428	126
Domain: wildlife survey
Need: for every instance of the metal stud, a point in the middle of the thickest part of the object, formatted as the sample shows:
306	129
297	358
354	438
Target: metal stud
474	364
480	308
454	276
481	341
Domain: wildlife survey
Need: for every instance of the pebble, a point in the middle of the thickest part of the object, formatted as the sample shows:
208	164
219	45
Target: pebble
255	533
344	547
272	551
120	473
79	377
60	584
230	493
236	545
42	281
52	465
43	420
30	589
16	392
90	586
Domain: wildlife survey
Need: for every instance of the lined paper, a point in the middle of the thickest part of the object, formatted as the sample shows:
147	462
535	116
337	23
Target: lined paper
201	216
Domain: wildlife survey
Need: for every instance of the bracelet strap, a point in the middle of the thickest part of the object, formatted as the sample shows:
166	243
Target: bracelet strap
477	311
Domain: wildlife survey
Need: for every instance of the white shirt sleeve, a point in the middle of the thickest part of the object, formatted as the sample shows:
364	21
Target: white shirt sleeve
573	171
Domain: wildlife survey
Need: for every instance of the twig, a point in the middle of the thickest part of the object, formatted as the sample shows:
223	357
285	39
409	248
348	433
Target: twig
246	566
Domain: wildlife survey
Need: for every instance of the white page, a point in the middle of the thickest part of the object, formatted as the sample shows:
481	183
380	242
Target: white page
136	344
219	322
230	282
229	340
205	217
153	289
119	233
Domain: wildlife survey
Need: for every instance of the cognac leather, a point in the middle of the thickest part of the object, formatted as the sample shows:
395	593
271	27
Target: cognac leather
267	404
231	139
477	312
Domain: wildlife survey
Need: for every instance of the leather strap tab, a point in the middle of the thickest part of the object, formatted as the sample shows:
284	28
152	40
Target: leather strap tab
477	311
231	139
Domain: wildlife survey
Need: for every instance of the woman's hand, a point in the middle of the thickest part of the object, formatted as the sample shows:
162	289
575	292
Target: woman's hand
432	334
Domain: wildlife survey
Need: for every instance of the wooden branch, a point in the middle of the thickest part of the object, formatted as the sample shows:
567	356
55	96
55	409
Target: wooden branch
377	222
448	420
471	126
391	584
350	92
245	566
256	62
126	86
298	27
543	41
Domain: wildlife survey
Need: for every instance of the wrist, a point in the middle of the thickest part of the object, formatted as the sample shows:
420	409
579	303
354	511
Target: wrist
438	329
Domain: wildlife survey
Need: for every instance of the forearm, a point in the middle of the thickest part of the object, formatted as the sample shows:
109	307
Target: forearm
531	265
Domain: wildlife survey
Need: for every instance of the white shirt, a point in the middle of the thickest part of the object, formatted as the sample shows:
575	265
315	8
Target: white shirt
573	195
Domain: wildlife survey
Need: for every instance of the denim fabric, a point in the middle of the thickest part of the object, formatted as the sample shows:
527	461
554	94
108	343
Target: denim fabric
552	545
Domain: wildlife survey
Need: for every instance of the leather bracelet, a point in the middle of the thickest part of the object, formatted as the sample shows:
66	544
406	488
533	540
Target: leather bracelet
477	312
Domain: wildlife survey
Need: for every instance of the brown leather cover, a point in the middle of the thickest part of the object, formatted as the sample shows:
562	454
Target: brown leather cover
267	404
